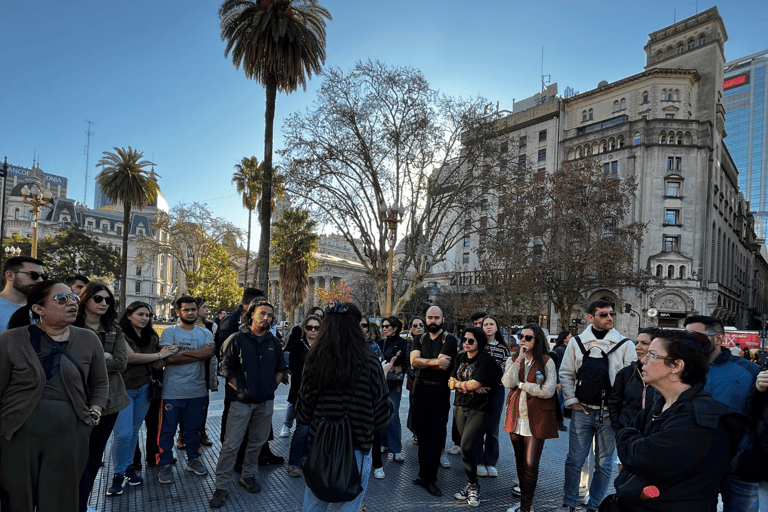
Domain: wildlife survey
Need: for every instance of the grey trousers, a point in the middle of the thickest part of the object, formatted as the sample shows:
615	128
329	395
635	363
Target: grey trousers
240	416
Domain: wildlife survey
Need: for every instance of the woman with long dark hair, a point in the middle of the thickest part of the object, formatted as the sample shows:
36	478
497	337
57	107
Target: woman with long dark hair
49	374
394	348
97	313
530	419
342	372
416	329
142	350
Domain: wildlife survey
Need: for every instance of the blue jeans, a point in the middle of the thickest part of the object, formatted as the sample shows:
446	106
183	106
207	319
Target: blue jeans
488	452
312	504
127	428
391	436
738	495
583	428
299	448
190	412
290	415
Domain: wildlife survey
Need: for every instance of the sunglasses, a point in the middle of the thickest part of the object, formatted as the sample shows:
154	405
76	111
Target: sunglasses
99	298
417	326
469	341
364	326
63	298
385	326
527	337
32	274
604	315
312	328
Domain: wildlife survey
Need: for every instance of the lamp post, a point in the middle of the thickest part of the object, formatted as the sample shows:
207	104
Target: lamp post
12	251
392	215
37	199
4	175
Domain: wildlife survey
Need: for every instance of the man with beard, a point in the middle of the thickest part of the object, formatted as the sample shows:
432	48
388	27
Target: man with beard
185	390
253	365
432	355
21	273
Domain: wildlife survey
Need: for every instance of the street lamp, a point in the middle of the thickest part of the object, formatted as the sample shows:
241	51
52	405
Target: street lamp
12	251
4	175
392	215
37	199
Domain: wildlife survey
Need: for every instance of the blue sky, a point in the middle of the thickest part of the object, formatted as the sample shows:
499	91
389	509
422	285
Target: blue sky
151	74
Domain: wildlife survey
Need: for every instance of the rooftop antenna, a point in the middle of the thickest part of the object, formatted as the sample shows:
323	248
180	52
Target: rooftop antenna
545	79
87	154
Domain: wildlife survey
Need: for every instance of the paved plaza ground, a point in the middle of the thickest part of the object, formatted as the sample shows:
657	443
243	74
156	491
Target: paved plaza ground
281	493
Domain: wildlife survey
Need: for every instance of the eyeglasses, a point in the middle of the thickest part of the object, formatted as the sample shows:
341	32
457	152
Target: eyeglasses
32	274
527	337
63	298
385	326
469	341
417	326
99	298
651	355
604	315
364	326
478	324
312	328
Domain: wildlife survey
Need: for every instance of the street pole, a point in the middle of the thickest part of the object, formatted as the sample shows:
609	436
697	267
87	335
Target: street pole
391	215
3	174
37	199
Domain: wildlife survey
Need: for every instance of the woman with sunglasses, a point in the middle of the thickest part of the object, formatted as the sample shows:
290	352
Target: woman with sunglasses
49	374
530	418
394	348
97	313
416	329
142	351
296	358
475	377
488	455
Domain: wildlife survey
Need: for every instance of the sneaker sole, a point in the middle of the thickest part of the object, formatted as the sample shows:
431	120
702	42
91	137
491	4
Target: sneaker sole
165	481
192	470
110	493
133	484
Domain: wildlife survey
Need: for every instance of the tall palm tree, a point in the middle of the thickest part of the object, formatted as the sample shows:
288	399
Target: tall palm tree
124	179
246	180
279	43
295	244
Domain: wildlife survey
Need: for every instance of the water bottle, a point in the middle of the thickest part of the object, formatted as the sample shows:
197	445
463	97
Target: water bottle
539	378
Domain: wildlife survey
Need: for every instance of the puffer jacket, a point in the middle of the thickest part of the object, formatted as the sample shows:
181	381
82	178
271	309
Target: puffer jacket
626	398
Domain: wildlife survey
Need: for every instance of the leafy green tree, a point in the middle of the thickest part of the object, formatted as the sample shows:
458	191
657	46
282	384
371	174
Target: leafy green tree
216	281
124	179
294	244
74	251
279	43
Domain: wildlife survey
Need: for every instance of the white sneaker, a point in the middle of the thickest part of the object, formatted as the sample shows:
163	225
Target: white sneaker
481	471
378	473
492	472
444	461
286	431
516	508
453	450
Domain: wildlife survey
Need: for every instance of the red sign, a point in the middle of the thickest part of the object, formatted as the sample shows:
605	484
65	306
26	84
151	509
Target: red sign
735	81
744	339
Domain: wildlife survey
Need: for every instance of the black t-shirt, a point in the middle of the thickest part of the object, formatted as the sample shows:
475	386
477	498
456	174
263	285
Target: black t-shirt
483	369
430	349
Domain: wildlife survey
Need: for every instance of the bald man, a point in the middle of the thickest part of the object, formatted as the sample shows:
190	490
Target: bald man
432	356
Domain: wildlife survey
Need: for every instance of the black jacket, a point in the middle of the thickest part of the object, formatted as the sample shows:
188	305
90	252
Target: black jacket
253	364
297	355
683	451
626	399
752	464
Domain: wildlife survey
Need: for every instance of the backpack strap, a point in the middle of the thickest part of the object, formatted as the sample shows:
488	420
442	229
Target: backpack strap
614	349
584	352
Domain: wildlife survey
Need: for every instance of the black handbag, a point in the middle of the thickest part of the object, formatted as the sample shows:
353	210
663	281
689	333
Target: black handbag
611	503
331	471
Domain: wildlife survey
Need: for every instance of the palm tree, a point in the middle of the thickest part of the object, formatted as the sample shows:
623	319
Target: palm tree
246	180
123	179
294	246
279	43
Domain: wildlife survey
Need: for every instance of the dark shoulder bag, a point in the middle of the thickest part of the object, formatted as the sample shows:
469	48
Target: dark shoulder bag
331	471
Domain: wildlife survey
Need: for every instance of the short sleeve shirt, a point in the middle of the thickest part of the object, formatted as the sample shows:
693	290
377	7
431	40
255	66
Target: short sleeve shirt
484	370
184	381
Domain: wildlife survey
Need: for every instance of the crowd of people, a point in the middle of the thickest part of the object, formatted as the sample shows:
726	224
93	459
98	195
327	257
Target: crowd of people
685	419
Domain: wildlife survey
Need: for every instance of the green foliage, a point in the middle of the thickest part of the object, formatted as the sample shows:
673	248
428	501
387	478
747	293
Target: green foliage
216	281
293	246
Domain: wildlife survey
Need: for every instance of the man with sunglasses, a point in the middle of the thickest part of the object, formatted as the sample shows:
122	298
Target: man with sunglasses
21	274
587	422
731	381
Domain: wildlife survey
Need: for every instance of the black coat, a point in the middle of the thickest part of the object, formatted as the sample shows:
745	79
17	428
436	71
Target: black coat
297	355
683	451
626	399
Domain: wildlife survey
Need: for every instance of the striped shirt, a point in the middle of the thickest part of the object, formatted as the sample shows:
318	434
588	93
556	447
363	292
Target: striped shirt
368	406
499	352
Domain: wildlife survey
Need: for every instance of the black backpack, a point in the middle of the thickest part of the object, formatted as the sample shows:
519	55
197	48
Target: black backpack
593	381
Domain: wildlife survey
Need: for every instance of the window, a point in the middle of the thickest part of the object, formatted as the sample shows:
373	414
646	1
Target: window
674	163
119	230
484	205
138	270
670	116
702	40
467	241
691	44
659	270
589	114
465	258
116	284
140	233
673	189
31	217
671	272
521	160
680	48
682	272
104	228
523	141
611	167
645	97
542	135
671	243
542	155
671	217
541	172
504	148
583	116
89	226
623	103
137	288
616	105
636	139
16	214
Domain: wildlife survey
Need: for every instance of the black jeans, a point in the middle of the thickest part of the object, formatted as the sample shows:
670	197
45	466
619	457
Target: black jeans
469	423
432	405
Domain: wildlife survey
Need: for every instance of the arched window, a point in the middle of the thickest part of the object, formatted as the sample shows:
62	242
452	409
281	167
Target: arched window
702	40
623	104
679	139
636	139
663	94
663	139
589	114
583	115
680	48
587	150
616	105
16	214
691	44
578	152
671	272
611	144
682	272
621	141
645	97
659	270
676	95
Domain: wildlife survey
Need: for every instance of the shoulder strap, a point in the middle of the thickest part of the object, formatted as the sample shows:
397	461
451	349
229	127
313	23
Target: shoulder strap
614	349
581	346
34	338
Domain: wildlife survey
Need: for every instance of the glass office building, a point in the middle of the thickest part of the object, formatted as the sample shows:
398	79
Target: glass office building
744	98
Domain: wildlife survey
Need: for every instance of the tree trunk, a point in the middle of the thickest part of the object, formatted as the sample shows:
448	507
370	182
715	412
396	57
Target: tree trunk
247	249
124	262
266	187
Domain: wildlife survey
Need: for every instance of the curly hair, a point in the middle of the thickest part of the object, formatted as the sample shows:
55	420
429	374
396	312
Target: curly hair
478	333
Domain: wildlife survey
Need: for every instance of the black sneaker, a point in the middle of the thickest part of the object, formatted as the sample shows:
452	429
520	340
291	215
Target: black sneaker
131	478
250	484
218	499
118	481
